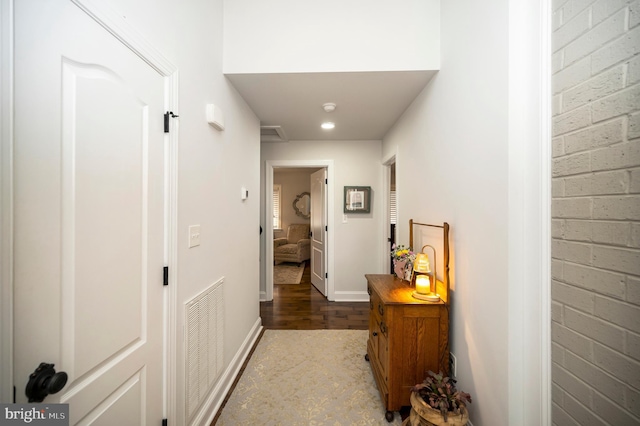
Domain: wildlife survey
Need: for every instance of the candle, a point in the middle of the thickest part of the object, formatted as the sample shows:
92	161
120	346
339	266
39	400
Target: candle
423	284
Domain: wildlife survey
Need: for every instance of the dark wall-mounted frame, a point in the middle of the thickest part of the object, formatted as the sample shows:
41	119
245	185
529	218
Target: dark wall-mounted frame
357	199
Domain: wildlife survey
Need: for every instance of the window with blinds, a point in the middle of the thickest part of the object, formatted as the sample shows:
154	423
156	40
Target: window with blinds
277	198
393	215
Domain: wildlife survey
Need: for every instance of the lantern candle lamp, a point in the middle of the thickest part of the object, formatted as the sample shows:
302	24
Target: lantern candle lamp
425	280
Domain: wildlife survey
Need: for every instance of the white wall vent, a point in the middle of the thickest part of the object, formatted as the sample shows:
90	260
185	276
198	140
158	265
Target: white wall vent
272	134
204	340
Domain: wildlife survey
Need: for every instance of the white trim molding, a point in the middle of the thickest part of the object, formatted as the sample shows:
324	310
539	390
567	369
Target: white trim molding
6	201
387	162
121	29
529	213
213	403
351	296
171	252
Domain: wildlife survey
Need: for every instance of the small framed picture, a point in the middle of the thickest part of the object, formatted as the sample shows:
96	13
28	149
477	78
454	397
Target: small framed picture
357	199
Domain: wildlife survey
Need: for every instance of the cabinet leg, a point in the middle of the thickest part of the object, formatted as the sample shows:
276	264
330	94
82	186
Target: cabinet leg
389	416
366	357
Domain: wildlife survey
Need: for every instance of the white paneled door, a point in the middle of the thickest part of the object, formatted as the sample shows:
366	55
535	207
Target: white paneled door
89	216
319	230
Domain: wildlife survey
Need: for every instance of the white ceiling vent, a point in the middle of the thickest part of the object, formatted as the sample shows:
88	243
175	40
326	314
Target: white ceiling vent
272	134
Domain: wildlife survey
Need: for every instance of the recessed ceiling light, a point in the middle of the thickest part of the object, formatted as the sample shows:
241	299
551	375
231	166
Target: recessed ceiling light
329	107
327	125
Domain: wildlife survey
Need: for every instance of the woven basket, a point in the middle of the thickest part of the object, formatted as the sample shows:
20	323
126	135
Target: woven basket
423	415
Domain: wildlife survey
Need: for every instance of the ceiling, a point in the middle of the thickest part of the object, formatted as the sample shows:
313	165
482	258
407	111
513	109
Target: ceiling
367	103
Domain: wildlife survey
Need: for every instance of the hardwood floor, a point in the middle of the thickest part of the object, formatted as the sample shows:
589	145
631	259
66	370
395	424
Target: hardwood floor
303	307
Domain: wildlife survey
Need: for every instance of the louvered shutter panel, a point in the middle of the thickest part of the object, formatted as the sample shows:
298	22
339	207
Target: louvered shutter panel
276	206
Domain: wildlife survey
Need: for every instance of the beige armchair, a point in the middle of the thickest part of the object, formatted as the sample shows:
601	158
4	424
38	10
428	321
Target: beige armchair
296	247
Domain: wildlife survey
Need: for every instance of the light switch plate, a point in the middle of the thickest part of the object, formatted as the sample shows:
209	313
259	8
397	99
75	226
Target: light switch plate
194	236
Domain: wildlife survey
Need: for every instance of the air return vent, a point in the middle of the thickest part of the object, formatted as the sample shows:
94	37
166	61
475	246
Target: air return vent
204	340
272	134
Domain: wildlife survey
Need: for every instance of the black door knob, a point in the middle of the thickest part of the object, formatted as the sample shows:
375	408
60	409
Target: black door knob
44	381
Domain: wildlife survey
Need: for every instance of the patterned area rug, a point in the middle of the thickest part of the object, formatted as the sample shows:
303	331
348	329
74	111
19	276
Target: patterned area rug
307	377
288	273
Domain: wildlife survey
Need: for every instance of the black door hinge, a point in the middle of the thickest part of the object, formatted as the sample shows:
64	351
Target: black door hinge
165	275
165	422
326	275
166	120
326	181
326	228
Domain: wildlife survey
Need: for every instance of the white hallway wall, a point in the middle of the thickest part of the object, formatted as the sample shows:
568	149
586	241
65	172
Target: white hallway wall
213	166
331	36
359	241
456	146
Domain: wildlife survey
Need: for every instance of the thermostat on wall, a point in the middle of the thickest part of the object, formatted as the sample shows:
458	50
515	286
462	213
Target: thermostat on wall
215	117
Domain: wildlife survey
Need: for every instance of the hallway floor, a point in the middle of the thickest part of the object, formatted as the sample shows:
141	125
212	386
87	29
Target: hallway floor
302	307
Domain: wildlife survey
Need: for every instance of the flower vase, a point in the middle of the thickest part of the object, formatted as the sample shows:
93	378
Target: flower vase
398	268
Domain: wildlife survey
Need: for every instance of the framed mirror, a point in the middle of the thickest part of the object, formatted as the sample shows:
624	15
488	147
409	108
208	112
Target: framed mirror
302	205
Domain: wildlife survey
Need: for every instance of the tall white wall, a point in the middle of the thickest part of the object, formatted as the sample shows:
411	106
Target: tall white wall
213	166
282	36
452	166
358	242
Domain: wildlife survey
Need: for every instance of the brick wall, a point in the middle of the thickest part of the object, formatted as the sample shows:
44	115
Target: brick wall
596	213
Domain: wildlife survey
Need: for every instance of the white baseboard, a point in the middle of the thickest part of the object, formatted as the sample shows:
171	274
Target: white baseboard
351	296
213	403
339	296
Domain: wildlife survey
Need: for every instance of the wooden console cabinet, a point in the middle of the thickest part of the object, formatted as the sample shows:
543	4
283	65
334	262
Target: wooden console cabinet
407	336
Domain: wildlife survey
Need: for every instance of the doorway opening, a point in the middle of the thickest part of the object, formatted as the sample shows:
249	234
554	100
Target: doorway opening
390	209
298	240
288	173
393	213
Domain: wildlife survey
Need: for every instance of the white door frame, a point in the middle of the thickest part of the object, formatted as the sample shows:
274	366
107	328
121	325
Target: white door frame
270	165
529	218
121	29
386	194
6	201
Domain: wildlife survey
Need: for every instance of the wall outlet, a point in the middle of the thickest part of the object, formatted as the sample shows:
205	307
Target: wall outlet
453	364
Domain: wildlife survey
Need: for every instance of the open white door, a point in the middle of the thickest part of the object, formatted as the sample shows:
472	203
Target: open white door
319	230
89	216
